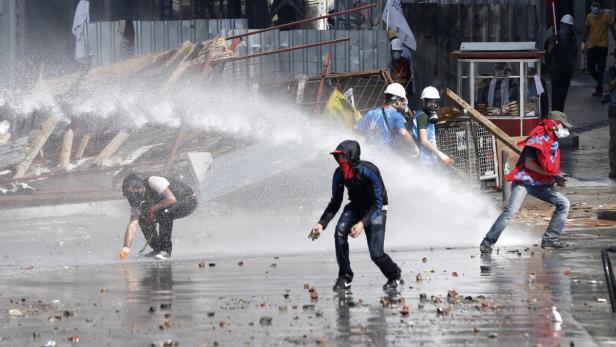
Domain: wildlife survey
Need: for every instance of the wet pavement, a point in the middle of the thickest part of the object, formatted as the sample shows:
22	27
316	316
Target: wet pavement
58	280
501	299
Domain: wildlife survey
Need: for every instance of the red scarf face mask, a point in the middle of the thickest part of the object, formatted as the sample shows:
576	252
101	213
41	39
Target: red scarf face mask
345	166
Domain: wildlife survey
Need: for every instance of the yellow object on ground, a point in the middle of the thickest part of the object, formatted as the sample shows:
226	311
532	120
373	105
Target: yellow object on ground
340	108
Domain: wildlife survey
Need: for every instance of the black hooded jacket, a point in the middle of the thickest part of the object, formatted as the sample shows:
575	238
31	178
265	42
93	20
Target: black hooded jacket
366	189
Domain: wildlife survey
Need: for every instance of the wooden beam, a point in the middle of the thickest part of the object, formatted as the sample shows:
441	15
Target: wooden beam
37	144
65	153
111	147
179	141
483	121
85	140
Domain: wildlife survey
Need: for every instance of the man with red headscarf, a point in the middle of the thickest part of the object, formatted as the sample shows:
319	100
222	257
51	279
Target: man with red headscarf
367	210
536	173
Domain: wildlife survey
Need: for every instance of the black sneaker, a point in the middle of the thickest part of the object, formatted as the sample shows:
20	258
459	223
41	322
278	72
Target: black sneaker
556	244
485	247
392	284
342	284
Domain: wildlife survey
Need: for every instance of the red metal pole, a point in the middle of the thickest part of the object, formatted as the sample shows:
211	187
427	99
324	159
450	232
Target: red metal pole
317	44
326	61
282	26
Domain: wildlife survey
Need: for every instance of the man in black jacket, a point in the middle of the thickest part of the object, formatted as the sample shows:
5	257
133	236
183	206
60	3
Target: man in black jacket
367	211
155	200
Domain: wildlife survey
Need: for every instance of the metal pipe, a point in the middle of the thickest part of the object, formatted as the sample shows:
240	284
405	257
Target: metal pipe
328	57
505	169
609	275
303	21
322	43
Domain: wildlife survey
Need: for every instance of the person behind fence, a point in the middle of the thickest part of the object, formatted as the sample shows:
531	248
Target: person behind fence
596	42
386	126
400	66
536	173
366	211
609	90
155	200
501	92
423	128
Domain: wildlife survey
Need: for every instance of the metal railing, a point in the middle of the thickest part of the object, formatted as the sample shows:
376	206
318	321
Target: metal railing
608	269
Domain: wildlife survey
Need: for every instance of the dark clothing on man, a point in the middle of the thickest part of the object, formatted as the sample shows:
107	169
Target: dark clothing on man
562	62
400	70
561	80
185	205
612	146
610	76
368	204
595	59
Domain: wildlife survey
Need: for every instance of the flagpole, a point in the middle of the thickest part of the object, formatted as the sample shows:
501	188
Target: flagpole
554	17
387	22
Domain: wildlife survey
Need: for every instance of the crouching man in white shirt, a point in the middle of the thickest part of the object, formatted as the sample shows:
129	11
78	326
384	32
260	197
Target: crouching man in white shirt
155	200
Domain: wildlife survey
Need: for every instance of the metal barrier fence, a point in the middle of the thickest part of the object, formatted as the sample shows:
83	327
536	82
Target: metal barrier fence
368	89
366	50
107	42
472	148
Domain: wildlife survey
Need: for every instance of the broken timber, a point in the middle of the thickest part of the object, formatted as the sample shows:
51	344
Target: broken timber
65	153
111	147
85	140
37	144
485	122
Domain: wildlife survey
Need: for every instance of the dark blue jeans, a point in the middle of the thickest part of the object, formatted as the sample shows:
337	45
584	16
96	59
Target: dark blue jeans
375	235
161	240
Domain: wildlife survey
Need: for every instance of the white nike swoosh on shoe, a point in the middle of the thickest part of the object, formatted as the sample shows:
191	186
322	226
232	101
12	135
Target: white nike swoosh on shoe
347	284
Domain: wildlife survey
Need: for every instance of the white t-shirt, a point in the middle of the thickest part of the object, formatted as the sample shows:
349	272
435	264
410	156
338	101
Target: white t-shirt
158	184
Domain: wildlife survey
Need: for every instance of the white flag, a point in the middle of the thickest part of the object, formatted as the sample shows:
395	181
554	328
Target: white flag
81	20
394	18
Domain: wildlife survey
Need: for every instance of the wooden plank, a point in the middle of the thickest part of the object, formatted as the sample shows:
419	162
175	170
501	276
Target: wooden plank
111	147
37	144
485	122
65	153
83	144
179	141
301	86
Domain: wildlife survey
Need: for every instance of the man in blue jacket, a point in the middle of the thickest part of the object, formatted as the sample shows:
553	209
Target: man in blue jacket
385	126
367	210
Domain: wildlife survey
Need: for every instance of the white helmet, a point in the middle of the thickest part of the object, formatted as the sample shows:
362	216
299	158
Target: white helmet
396	89
430	93
396	44
567	19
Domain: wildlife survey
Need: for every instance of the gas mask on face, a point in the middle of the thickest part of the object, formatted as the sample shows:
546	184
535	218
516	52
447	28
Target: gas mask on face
396	55
596	11
431	107
560	131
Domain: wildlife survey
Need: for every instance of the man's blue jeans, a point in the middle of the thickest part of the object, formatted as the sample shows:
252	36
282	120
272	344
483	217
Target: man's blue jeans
519	192
375	235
